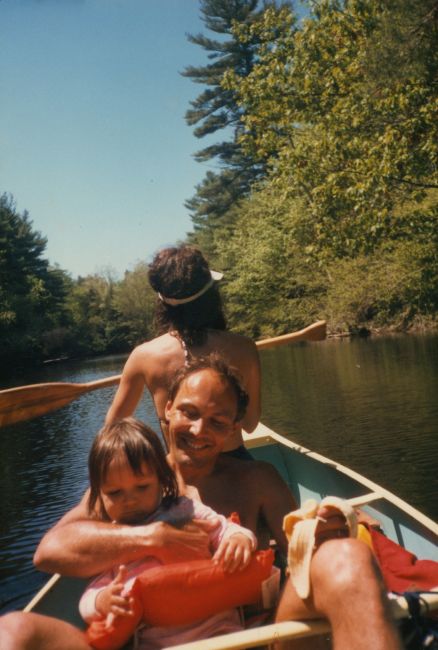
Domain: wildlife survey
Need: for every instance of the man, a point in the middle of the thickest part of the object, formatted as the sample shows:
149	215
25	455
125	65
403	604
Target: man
206	404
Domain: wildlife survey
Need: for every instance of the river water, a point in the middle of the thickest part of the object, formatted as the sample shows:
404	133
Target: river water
369	404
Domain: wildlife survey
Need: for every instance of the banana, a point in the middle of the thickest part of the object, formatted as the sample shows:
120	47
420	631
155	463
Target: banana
300	528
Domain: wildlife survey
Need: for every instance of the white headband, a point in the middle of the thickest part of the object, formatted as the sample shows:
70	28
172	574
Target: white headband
215	277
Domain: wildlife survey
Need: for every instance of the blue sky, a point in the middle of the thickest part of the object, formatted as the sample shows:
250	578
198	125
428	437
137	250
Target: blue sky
93	141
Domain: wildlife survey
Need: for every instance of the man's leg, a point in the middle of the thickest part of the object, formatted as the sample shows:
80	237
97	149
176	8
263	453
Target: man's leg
348	590
28	631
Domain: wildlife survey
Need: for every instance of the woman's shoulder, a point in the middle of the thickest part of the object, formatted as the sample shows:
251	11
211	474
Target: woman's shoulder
160	346
233	340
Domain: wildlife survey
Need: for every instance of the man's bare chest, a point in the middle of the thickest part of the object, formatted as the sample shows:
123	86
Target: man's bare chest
232	496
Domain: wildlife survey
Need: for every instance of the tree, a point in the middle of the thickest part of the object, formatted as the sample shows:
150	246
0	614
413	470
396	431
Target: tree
344	226
134	302
271	284
31	293
351	143
216	109
94	318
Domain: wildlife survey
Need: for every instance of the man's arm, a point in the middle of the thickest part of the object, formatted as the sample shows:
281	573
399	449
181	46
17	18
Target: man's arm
82	547
253	388
277	501
130	389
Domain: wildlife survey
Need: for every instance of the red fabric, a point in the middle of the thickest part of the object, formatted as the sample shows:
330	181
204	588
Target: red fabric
183	593
401	570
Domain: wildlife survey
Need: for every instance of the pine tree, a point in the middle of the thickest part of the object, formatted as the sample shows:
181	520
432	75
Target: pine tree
216	109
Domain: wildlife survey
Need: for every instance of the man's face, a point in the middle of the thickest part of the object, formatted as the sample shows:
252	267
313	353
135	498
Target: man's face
201	418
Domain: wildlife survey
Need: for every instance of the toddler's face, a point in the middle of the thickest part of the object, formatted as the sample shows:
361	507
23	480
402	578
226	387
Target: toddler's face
128	498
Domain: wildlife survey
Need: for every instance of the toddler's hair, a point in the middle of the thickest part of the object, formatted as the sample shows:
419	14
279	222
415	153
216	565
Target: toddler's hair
139	444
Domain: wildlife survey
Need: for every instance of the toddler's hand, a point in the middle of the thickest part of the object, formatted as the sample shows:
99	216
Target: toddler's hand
110	601
234	553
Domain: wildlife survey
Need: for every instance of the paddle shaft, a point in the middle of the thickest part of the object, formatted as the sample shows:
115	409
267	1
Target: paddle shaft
314	332
27	402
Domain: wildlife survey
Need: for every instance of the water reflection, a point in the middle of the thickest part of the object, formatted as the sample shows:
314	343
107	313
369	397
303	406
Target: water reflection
370	405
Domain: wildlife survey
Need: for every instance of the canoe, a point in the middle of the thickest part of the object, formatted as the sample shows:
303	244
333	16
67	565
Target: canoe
309	475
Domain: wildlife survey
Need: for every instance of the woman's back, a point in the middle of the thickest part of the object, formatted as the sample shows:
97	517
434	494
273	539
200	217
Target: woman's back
155	363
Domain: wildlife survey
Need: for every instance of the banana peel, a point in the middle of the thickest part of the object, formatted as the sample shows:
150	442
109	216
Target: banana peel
300	528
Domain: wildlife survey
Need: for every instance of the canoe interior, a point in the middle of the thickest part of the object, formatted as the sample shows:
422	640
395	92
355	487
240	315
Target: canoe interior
307	477
61	600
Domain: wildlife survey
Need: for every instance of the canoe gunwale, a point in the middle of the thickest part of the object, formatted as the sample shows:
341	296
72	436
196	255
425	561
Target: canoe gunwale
292	629
263	435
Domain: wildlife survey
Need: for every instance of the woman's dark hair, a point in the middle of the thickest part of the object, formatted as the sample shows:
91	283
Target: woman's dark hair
180	272
213	361
139	444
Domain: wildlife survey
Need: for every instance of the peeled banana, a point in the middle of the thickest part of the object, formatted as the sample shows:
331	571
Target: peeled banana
300	528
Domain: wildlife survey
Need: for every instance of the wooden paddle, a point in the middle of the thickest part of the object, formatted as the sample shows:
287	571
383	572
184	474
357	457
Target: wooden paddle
314	332
27	402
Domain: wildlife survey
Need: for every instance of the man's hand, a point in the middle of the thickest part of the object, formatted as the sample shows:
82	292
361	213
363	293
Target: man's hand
182	544
332	525
234	553
110	600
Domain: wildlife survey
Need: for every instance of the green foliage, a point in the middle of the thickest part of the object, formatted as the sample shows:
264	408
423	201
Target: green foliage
134	302
31	293
391	289
272	285
345	107
44	314
216	109
349	144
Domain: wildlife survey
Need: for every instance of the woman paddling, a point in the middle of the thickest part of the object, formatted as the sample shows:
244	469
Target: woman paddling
190	322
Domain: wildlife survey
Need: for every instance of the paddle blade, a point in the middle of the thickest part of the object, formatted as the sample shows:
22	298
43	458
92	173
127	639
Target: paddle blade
27	402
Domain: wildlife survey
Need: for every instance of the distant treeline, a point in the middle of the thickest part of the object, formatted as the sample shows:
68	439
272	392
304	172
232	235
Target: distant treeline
324	202
45	314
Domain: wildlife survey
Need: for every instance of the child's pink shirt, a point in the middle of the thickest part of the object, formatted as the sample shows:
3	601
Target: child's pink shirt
183	511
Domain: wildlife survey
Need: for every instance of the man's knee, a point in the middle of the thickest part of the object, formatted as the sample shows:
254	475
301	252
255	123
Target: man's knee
26	630
343	566
14	632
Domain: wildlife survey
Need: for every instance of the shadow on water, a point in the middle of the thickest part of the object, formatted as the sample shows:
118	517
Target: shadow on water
369	404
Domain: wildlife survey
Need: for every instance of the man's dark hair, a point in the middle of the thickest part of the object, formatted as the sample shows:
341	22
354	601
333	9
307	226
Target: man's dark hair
217	363
180	272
